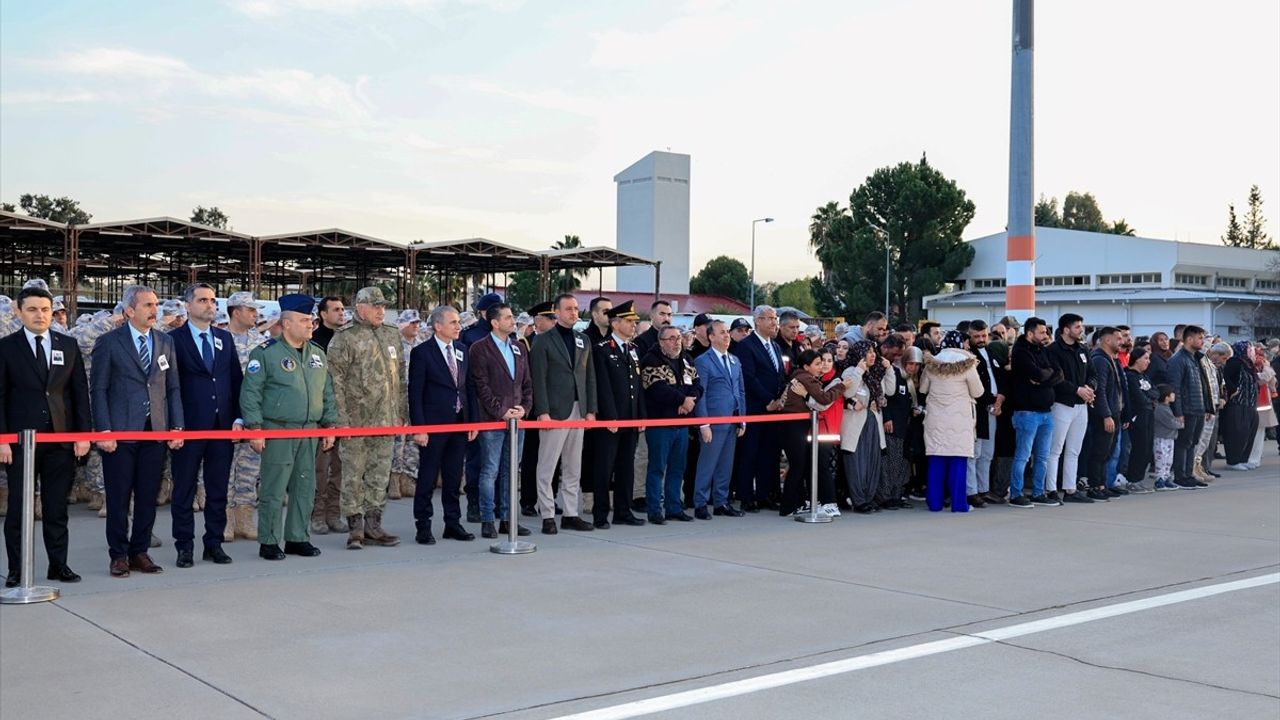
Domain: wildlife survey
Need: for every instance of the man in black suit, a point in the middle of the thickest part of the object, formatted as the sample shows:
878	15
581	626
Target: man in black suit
43	387
210	377
438	395
135	388
659	317
621	397
756	463
598	328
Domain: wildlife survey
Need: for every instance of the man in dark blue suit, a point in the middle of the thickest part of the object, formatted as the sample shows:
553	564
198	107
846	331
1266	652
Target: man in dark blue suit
723	396
134	387
210	377
438	395
757	462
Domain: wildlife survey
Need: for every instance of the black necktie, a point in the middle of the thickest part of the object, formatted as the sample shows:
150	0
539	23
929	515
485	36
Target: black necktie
41	359
206	352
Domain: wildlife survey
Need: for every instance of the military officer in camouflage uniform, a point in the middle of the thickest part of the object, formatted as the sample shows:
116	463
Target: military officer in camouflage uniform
287	385
404	454
364	358
242	495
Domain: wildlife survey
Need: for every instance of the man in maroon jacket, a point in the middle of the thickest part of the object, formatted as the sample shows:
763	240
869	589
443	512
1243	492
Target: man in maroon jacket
503	391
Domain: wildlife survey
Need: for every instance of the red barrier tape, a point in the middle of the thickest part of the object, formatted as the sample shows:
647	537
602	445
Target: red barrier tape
397	430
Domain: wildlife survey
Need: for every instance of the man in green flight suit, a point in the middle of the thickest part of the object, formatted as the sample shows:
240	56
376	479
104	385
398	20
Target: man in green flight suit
287	386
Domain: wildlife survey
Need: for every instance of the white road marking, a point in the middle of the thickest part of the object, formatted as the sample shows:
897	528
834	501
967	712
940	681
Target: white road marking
674	701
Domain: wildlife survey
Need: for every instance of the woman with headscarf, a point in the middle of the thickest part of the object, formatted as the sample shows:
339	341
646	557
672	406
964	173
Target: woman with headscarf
913	365
1158	372
1266	413
867	384
952	383
1140	406
1240	416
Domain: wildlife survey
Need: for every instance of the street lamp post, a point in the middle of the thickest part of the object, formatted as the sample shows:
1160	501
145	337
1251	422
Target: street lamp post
885	236
753	258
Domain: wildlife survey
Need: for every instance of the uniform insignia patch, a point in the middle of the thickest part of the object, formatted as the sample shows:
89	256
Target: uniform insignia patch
288	364
316	362
254	367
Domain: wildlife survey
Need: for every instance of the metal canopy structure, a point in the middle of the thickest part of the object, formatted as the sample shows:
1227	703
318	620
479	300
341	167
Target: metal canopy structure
168	253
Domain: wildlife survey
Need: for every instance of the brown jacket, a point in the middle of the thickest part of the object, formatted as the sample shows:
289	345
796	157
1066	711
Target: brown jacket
495	390
796	404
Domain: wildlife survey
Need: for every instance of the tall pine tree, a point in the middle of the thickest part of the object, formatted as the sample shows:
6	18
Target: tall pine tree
1255	225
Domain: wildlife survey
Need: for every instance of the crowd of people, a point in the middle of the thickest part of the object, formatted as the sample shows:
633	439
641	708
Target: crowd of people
1015	413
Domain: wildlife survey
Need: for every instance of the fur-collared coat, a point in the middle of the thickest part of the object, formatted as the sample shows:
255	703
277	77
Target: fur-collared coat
951	380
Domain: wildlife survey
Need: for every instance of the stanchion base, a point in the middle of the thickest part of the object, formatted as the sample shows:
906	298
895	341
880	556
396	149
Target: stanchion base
512	547
814	516
28	595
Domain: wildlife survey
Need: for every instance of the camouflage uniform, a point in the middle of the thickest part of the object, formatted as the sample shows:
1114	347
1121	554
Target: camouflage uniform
365	362
404	454
86	332
247	464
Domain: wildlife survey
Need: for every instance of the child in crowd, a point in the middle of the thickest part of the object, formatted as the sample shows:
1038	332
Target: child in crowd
1166	429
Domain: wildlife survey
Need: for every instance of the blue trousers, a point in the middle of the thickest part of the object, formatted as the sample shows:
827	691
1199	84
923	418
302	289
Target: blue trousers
1119	456
495	472
950	473
132	471
1034	434
215	457
715	467
665	476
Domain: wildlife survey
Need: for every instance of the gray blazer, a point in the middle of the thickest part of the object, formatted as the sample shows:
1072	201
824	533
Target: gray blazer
122	395
556	376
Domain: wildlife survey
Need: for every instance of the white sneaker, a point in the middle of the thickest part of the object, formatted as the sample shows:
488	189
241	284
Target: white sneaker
1239	467
1121	481
1252	466
831	509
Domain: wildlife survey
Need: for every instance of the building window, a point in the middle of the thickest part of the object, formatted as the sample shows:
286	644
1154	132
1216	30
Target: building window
1233	282
1266	285
982	283
1062	281
1130	279
1188	279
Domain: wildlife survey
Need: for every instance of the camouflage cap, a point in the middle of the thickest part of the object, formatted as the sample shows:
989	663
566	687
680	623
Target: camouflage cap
244	298
84	319
467	318
407	317
36	283
221	319
58	304
370	296
269	317
523	319
173	308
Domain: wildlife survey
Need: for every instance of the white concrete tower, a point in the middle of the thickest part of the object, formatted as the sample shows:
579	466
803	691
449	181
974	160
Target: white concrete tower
653	221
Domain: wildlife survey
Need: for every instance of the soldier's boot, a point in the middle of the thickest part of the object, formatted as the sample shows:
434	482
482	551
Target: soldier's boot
229	532
334	520
374	533
165	493
408	486
355	534
4	501
39	505
1198	472
73	495
246	525
83	493
318	525
96	500
393	487
198	504
102	511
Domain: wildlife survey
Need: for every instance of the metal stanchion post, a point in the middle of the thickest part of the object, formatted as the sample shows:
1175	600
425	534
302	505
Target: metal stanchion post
25	592
512	546
814	515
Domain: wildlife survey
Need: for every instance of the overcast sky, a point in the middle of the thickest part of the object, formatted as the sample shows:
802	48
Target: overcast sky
445	119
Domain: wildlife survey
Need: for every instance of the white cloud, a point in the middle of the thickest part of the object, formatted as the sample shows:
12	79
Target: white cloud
261	9
704	31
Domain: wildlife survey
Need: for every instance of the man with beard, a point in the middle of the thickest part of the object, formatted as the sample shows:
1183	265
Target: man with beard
1072	398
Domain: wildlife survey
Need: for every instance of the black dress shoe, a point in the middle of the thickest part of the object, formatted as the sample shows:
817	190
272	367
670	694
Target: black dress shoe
679	517
728	511
303	548
270	552
473	514
657	520
575	523
702	513
628	519
750	507
12	580
424	537
602	524
769	505
488	531
63	574
505	528
864	508
549	527
185	559
639	504
456	532
528	511
216	555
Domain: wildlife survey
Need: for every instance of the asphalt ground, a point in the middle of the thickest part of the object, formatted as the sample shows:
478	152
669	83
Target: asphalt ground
690	620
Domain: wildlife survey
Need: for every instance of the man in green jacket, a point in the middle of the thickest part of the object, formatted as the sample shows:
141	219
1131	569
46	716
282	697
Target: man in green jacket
287	386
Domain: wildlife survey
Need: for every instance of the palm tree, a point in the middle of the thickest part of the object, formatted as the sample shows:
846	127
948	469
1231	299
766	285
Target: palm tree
568	280
1120	227
822	233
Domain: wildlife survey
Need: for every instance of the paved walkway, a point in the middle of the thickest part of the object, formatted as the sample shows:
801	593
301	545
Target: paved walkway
605	619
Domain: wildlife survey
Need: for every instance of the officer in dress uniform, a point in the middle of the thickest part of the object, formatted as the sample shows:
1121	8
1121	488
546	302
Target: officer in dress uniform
287	386
621	397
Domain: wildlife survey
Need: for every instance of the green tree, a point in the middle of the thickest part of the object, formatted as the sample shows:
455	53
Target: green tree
1121	227
1047	213
569	279
63	209
523	291
923	214
797	294
8	207
1080	211
211	216
1255	225
725	276
1234	237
